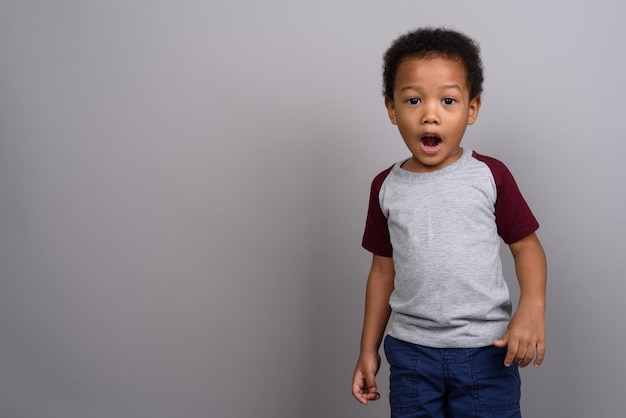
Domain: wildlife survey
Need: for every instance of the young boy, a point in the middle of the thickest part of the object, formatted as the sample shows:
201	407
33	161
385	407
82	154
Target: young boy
434	226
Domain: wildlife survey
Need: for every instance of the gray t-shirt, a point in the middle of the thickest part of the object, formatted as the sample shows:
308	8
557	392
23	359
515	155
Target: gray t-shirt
443	230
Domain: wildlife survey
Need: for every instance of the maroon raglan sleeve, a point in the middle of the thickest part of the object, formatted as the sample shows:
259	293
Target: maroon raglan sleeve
376	236
513	216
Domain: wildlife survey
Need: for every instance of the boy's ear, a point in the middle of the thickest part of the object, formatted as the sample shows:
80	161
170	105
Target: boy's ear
391	110
474	107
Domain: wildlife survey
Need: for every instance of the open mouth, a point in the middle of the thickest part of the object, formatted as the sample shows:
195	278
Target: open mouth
430	143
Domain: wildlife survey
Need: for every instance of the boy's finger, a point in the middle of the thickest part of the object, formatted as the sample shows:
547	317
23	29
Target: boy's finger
370	383
511	354
372	394
527	358
503	341
359	388
541	353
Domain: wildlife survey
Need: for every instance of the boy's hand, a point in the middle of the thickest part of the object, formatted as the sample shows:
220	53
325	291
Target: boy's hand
525	337
364	380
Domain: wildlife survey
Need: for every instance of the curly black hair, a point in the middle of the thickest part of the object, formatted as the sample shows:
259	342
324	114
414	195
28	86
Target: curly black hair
434	42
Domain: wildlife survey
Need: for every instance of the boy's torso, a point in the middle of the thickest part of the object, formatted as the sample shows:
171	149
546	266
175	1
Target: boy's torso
449	290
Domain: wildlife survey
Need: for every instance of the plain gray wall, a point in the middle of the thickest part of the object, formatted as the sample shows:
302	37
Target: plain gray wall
183	188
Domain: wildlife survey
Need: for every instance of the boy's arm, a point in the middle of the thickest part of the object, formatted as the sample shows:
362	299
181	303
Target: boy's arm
377	311
526	333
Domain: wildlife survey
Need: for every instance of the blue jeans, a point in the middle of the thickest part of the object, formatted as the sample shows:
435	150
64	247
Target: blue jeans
451	382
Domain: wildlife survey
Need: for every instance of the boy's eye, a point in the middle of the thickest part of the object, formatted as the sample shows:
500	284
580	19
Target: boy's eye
448	101
413	101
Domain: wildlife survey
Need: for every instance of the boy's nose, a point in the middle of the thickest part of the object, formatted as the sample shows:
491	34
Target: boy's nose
430	115
430	118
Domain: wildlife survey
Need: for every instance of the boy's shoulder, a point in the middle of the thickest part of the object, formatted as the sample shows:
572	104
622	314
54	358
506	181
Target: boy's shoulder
380	177
490	161
498	169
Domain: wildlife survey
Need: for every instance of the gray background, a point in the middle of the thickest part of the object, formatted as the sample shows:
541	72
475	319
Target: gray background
183	187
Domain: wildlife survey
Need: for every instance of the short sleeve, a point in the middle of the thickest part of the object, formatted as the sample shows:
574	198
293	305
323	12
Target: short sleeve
514	218
376	236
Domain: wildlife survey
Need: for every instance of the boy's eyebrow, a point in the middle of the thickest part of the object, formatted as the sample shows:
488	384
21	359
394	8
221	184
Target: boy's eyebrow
409	88
451	86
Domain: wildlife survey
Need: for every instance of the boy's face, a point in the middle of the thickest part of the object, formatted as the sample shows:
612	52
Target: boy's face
432	108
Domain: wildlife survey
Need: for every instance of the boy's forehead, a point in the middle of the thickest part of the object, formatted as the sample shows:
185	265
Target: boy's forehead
442	61
413	64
